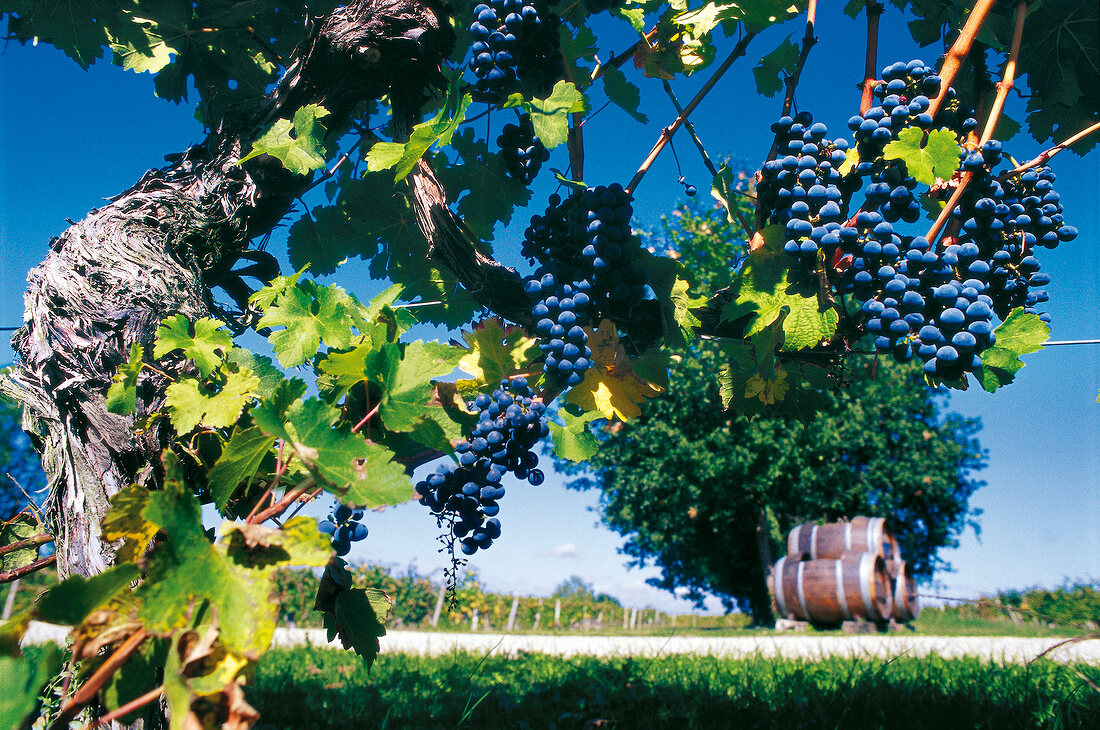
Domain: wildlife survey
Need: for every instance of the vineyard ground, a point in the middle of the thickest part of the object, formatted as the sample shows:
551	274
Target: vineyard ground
323	688
816	646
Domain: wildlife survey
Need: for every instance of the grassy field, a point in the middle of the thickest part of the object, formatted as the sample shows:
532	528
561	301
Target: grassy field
324	688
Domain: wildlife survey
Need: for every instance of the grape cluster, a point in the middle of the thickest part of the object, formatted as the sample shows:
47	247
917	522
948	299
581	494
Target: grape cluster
586	251
522	150
800	188
915	301
511	421
513	40
904	98
345	527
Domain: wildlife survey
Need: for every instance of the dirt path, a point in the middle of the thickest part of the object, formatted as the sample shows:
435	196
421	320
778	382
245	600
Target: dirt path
996	648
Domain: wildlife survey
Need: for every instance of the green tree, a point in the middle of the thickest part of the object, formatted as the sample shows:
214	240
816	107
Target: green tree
706	494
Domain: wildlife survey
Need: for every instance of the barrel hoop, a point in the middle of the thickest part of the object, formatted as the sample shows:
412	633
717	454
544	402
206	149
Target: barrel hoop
840	597
801	593
778	580
866	578
813	545
872	530
792	541
847	535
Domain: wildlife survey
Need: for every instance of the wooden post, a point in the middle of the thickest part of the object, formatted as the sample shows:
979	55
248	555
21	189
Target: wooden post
439	606
626	618
633	618
512	614
473	621
10	600
557	613
599	620
538	618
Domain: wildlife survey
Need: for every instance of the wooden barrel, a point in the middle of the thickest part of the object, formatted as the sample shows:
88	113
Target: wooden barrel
830	591
906	604
836	538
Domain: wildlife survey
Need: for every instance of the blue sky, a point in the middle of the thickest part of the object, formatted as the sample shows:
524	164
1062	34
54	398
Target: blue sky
72	138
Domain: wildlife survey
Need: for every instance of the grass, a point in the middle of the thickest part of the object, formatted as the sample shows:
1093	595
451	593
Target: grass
325	688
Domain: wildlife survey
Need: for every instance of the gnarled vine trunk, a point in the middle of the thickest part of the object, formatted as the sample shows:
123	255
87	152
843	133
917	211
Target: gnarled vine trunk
160	246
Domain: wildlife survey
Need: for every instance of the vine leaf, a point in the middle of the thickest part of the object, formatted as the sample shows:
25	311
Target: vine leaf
488	193
149	53
359	472
772	68
301	153
309	315
668	278
550	116
238	464
611	386
77	27
190	404
386	155
355	616
939	158
763	287
405	374
205	343
623	93
22	680
1019	334
20	527
125	521
574	441
72	600
494	351
122	395
297	543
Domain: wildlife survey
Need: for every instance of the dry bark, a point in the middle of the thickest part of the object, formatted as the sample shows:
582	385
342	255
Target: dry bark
159	247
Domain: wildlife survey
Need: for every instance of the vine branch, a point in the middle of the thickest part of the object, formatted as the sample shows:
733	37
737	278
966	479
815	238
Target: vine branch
808	42
875	10
1009	75
670	130
32	541
1045	156
959	49
88	690
17	573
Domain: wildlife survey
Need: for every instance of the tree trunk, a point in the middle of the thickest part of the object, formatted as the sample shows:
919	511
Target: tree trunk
159	247
760	601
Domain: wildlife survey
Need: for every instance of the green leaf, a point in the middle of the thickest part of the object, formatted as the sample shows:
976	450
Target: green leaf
21	683
939	158
238	464
1020	334
190	403
574	441
125	521
634	16
763	288
669	280
77	27
355	616
301	153
772	68
359	472
406	381
18	528
71	601
723	189
122	395
149	54
206	347
297	543
550	116
422	137
308	318
186	568
623	93
495	351
262	367
488	193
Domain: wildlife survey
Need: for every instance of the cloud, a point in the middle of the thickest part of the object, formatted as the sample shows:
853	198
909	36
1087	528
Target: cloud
568	550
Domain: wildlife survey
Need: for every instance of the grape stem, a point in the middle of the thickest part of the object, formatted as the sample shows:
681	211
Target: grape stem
619	60
808	42
130	707
575	139
88	690
667	132
875	10
17	573
1045	156
1003	87
283	504
959	50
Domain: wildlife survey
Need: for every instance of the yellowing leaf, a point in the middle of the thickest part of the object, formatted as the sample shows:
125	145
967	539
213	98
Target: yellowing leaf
611	386
190	404
495	351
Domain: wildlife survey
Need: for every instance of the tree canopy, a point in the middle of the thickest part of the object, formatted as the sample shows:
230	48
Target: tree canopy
688	481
